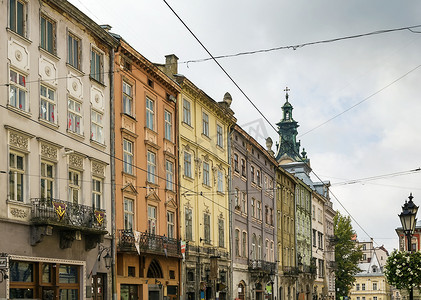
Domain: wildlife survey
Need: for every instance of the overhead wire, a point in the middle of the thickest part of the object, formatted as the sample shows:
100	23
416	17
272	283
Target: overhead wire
258	110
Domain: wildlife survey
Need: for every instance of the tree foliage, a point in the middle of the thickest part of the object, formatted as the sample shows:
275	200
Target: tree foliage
347	255
403	269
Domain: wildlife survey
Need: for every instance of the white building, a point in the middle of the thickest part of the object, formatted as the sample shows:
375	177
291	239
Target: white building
55	171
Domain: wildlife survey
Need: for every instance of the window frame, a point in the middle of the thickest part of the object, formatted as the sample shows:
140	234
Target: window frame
16	172
169	175
74	51
97	126
13	20
19	90
74	180
49	37
171	224
150	113
207	228
151	166
219	136
152	219
45	179
220	182
186	111
188	213
97	202
73	115
168	125
127	95
221	233
128	214
129	154
206	173
49	103
205	124
187	164
97	65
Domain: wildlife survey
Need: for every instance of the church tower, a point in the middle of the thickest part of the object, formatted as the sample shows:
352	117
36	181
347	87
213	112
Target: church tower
288	149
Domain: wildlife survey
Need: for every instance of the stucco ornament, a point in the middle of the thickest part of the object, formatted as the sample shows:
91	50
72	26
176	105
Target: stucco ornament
18	141
49	151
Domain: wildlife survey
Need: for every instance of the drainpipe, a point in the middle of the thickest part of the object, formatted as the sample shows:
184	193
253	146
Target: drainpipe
231	282
112	163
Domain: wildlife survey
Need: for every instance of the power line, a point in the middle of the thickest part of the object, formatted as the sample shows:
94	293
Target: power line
377	177
297	46
264	117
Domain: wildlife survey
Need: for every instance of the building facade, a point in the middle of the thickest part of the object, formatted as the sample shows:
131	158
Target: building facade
253	209
146	174
56	212
204	126
285	205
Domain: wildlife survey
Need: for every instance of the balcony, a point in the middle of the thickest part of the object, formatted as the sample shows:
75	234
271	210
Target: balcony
290	271
148	243
70	219
262	266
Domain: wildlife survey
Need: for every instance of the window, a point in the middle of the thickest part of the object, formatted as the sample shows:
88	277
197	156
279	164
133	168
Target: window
271	216
189	224
96	193
258	177
253	246
236	162
357	286
128	157
127	99
205	124
47	104
150	114
168	125
272	253
259	248
236	199
47	180
17	16
244	247
97	67
253	207
16	176
73	50
314	237
128	213
187	165
151	166
17	91
151	219
266	214
259	210
170	224
244	201
206	222
169	169
186	112
219	136
374	298
237	242
74	116
221	230
243	167
48	34
220	182
97	127
252	173
374	286
363	286
267	250
320	238
321	268
206	179
74	186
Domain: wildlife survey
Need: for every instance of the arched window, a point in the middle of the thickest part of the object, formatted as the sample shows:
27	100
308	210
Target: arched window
242	290
244	244
253	247
237	242
259	248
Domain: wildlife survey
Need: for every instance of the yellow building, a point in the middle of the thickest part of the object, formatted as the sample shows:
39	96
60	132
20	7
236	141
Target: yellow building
370	283
204	126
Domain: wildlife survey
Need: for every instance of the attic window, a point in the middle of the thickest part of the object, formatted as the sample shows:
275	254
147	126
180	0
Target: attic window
374	269
150	83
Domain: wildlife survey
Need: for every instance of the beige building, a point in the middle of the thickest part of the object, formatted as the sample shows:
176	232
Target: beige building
55	208
370	283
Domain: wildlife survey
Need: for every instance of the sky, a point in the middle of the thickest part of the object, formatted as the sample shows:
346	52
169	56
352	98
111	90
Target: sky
357	101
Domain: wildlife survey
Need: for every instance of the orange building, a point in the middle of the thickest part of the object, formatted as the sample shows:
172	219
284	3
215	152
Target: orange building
146	172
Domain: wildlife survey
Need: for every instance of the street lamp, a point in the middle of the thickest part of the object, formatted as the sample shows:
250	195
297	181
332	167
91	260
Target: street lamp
408	220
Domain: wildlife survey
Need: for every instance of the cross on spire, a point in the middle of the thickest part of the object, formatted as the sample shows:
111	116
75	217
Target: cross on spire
286	90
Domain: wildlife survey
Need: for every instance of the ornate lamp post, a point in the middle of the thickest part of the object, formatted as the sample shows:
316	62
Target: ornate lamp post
408	220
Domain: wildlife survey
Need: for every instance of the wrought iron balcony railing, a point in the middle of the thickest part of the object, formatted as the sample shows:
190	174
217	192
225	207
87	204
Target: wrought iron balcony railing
290	271
148	243
262	265
67	214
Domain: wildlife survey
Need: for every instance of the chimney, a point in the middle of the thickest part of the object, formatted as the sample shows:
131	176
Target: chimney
171	65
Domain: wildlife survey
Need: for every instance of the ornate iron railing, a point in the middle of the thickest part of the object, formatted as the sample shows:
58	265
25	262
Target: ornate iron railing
67	214
290	271
262	265
148	243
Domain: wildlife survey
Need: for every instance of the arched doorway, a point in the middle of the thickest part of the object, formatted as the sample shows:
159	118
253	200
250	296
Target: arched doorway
259	291
242	290
155	288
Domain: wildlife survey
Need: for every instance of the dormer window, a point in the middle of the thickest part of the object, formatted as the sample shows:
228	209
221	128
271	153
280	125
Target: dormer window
374	269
